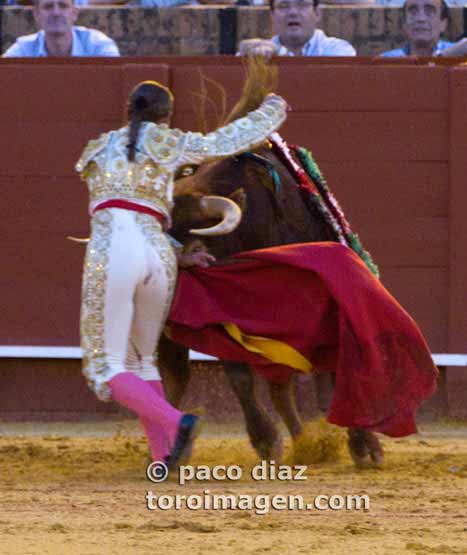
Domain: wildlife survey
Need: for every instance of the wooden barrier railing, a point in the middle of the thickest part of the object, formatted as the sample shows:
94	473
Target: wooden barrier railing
390	139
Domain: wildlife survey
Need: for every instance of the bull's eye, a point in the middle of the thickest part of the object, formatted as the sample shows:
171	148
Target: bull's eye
186	171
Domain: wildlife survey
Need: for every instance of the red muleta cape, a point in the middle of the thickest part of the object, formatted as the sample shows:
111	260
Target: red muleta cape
320	299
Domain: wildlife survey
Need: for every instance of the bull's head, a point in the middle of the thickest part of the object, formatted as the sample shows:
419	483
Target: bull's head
228	178
214	219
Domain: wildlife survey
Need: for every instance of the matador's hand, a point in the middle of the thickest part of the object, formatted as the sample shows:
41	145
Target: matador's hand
200	258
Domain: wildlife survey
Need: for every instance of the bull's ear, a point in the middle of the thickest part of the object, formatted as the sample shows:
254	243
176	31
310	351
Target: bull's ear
239	197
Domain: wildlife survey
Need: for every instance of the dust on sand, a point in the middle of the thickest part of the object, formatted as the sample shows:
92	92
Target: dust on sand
75	489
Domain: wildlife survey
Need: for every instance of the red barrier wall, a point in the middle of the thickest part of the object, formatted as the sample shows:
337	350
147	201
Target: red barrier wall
390	139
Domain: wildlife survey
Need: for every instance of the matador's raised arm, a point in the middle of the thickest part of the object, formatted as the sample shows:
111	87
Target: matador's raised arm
243	134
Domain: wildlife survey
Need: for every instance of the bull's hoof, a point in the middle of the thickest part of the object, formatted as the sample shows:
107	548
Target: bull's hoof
277	450
378	458
270	451
264	436
357	447
375	448
365	448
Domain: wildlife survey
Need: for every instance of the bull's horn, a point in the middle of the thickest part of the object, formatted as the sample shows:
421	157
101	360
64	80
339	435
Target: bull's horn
219	206
78	239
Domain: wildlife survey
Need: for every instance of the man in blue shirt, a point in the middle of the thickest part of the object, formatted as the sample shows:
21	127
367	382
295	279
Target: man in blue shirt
423	23
58	36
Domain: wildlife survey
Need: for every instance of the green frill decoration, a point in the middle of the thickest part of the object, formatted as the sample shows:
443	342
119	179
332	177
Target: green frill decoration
314	173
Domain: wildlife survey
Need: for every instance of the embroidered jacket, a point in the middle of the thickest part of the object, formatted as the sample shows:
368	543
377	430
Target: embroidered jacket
160	150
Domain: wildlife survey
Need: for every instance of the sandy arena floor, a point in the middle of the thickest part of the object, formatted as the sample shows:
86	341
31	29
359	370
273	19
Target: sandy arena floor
80	489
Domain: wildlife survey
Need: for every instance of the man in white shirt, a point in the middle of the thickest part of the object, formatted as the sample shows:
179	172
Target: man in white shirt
58	36
294	22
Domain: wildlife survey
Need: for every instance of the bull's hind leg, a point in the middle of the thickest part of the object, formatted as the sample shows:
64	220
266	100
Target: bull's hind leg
175	369
264	436
283	399
365	448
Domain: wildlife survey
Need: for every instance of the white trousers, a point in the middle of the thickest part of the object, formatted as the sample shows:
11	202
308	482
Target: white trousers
129	278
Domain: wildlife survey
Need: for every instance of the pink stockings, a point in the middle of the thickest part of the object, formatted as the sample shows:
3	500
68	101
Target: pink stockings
146	398
158	436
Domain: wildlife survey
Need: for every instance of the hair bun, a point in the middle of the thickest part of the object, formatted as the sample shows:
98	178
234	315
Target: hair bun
140	103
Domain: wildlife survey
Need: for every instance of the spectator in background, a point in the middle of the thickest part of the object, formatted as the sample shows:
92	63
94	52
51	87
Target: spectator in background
400	3
140	3
58	36
423	22
294	22
163	3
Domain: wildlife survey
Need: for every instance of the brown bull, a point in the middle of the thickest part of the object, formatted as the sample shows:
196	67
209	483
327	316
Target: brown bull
269	219
275	212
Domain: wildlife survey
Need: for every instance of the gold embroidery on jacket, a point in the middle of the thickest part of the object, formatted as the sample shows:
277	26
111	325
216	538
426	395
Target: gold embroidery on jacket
93	304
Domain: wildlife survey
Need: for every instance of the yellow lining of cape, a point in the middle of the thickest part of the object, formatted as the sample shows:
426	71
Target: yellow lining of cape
272	349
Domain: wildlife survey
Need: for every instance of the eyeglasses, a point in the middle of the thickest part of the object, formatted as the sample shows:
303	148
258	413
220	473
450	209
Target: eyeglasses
301	5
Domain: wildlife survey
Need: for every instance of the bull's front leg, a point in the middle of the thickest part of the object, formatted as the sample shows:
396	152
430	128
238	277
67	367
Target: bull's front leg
283	399
264	435
174	366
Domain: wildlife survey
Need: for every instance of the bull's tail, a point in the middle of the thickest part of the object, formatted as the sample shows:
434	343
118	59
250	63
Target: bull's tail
261	79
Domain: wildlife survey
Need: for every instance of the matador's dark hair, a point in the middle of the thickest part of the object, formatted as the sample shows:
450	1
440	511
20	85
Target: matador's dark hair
148	101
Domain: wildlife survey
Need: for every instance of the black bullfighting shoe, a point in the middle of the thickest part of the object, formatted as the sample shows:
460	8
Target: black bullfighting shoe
188	429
